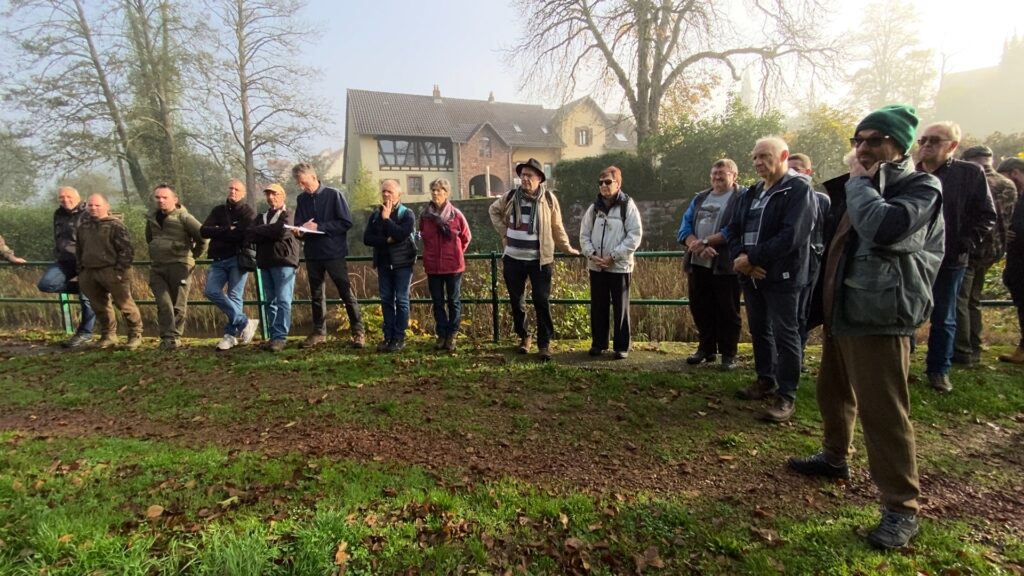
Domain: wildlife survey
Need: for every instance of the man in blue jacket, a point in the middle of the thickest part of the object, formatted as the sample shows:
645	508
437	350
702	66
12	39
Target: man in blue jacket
324	212
769	239
884	245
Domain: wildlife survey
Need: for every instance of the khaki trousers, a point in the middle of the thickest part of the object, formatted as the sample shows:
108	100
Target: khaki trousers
867	375
170	284
100	286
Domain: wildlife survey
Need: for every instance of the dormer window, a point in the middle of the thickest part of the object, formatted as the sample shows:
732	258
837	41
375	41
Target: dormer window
544	129
517	128
583	137
621	137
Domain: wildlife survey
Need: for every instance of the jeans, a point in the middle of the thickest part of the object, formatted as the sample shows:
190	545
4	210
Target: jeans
226	272
772	316
394	300
942	334
516	272
337	269
55	281
968	312
278	287
447	315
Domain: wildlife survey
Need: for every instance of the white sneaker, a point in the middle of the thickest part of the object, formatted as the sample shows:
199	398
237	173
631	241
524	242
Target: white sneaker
250	331
227	342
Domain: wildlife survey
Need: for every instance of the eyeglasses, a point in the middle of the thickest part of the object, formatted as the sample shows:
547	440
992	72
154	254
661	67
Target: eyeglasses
933	140
607	182
871	141
524	175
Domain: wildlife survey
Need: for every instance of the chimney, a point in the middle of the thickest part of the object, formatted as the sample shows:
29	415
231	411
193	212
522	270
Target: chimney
437	94
491	97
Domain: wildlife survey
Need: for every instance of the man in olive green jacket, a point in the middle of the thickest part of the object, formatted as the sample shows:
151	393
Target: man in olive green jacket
174	244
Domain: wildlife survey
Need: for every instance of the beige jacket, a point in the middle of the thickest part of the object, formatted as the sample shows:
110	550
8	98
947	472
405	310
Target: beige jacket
549	223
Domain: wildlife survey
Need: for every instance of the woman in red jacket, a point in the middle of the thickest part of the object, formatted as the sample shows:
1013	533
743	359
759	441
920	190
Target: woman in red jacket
445	234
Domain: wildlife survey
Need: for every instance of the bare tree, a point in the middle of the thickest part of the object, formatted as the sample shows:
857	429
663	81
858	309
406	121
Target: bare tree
68	76
895	67
254	76
645	47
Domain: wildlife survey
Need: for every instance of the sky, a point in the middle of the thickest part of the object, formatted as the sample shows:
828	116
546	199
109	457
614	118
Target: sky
408	46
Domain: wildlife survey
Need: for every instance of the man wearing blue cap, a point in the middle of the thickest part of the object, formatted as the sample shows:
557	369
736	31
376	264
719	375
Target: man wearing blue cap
884	243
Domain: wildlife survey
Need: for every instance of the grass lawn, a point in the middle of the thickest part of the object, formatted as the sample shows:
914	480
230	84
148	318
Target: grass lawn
483	462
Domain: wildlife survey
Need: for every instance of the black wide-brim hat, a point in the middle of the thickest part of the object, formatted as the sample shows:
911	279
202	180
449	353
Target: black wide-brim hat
531	163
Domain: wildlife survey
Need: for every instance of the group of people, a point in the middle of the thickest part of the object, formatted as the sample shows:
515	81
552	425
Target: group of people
893	243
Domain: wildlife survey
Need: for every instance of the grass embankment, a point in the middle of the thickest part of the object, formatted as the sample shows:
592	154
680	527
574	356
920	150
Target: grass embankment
306	462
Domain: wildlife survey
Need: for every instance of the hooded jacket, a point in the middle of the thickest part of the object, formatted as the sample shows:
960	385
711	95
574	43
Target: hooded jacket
104	243
176	240
603	233
782	238
225	227
549	222
891	256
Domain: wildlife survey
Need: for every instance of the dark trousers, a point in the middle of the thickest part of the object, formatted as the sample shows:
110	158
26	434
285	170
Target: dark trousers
775	333
516	272
942	333
171	283
806	295
715	307
337	269
968	312
609	289
446	296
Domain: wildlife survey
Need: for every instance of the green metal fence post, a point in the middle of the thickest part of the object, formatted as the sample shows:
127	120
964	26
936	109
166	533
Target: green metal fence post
494	296
65	313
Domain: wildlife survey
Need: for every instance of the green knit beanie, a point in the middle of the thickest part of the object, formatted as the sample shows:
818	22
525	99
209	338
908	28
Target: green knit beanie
898	121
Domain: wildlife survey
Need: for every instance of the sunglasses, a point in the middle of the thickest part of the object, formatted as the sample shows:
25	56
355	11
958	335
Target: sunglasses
933	140
606	182
871	141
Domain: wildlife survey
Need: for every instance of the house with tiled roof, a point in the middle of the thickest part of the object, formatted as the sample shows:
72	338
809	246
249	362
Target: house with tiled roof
475	144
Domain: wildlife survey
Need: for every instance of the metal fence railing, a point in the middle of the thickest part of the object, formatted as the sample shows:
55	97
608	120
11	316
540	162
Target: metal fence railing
493	300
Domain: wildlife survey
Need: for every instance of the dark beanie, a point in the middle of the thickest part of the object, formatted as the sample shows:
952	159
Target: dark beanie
898	121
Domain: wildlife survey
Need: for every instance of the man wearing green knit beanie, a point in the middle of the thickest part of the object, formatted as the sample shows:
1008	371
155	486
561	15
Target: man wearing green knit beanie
884	243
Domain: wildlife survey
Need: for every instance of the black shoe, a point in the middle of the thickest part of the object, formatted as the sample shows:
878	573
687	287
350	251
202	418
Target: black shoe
396	345
817	465
700	356
384	346
940	382
964	359
595	351
728	362
894	530
621	354
758	390
77	340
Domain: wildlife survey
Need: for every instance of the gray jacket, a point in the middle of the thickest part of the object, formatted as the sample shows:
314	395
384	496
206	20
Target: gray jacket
603	232
884	276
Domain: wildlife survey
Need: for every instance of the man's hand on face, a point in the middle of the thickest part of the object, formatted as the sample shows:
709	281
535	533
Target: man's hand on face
857	170
385	209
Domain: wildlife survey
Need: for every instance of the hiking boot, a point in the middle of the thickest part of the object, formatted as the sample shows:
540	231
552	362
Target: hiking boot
759	390
249	331
940	382
77	340
359	340
276	345
621	354
595	351
134	342
780	411
524	345
449	342
728	362
1016	358
700	356
964	359
227	343
313	340
544	352
442	341
396	345
818	465
169	344
107	341
894	530
384	346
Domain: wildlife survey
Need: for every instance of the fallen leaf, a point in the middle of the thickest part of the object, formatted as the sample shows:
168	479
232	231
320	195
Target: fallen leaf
574	543
341	556
652	558
65	538
17	486
563	519
154	511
